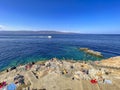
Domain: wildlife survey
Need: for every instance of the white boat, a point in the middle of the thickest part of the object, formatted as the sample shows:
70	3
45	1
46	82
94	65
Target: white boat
49	36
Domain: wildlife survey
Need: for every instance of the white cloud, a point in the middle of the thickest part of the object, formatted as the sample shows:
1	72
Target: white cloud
1	27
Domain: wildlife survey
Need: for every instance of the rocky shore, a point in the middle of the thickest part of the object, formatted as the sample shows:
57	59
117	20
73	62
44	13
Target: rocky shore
57	74
111	62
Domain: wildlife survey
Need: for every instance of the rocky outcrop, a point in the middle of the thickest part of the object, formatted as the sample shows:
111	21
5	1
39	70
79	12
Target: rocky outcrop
91	52
111	62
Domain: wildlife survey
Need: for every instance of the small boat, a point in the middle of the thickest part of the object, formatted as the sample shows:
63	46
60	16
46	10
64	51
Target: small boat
49	36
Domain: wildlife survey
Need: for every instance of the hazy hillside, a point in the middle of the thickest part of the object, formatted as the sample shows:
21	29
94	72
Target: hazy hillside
33	32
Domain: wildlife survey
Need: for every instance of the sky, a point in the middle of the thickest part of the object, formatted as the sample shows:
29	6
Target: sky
83	16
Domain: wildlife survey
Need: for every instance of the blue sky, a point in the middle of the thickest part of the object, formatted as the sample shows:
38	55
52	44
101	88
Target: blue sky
84	16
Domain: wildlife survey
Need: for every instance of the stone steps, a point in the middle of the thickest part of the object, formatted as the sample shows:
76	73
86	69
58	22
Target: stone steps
87	85
32	79
108	87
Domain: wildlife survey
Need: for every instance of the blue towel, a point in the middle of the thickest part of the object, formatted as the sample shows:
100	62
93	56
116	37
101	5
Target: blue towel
11	86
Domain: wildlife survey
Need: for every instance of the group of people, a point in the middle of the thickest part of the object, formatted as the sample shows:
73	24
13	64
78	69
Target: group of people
77	70
19	79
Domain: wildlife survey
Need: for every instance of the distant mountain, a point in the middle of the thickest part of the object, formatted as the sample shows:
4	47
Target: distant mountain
34	32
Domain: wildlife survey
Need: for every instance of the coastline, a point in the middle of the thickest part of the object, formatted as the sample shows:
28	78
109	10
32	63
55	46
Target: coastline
54	72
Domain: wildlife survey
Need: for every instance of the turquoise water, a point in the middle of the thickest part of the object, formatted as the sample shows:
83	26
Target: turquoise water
21	49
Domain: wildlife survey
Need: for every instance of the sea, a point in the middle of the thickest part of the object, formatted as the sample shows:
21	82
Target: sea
21	49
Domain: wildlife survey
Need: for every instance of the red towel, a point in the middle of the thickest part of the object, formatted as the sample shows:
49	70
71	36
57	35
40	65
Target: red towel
93	81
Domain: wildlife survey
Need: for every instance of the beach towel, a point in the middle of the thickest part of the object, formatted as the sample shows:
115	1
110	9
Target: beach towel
108	81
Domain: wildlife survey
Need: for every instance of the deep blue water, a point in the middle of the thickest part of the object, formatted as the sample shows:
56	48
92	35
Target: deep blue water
21	49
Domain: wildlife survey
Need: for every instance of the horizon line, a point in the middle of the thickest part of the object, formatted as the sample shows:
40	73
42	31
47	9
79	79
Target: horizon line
52	31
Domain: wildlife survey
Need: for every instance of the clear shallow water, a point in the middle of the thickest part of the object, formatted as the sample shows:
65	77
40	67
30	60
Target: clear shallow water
21	49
